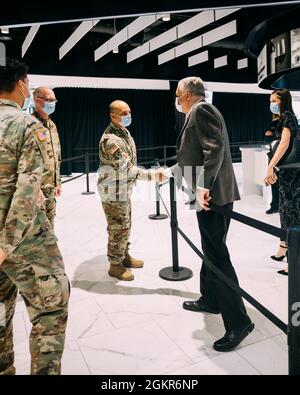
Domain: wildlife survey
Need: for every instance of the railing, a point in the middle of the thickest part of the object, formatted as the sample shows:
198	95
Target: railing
166	155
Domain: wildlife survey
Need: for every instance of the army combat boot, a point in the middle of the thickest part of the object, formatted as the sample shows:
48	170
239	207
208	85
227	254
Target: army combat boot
131	262
120	272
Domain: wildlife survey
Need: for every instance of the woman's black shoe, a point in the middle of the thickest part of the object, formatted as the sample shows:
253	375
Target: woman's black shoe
280	258
283	272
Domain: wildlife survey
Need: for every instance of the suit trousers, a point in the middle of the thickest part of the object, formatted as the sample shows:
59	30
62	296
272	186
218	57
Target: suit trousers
215	293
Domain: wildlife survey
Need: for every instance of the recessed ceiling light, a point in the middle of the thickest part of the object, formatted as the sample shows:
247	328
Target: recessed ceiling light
115	50
5	30
166	18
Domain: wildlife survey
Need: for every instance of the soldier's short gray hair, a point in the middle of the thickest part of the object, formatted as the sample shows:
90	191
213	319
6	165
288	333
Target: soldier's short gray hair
194	85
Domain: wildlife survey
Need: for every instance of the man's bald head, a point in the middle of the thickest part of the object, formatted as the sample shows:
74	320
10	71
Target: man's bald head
118	109
117	106
44	91
42	95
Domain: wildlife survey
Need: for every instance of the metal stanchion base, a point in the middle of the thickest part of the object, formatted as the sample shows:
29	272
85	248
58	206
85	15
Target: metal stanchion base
160	216
168	274
87	193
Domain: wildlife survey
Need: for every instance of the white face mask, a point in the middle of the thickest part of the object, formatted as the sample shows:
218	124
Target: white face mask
178	106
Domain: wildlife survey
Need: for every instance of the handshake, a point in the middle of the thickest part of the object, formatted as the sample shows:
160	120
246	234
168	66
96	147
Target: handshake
162	175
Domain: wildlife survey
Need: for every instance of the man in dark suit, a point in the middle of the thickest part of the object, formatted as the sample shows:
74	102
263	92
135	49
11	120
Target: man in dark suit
204	159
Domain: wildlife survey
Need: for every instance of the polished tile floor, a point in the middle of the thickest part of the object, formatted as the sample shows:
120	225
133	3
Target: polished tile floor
140	327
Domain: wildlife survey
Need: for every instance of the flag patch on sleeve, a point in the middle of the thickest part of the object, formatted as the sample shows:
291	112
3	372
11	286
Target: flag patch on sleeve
42	135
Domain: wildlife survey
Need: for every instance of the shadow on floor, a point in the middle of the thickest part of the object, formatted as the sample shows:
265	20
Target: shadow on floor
92	276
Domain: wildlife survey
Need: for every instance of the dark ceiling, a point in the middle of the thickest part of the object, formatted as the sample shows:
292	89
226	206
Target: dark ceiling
42	55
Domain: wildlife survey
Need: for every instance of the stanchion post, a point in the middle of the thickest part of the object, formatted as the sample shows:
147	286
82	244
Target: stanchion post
157	215
174	225
294	300
175	272
87	172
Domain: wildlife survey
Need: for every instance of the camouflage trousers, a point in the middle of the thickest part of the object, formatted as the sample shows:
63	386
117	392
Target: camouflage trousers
40	278
118	216
50	204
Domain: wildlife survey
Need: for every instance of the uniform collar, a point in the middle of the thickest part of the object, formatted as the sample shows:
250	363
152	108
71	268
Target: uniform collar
122	131
11	103
43	120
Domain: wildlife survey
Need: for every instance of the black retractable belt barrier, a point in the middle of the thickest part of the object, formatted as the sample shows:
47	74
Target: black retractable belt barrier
73	178
253	223
69	160
293	237
87	171
268	314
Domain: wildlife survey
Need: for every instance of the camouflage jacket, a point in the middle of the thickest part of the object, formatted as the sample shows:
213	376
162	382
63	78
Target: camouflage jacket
51	176
22	155
118	169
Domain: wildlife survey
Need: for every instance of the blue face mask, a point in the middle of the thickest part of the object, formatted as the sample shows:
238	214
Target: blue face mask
126	120
275	108
27	104
27	99
49	107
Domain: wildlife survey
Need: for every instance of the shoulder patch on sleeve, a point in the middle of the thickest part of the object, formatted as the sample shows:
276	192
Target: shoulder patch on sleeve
39	131
113	149
42	134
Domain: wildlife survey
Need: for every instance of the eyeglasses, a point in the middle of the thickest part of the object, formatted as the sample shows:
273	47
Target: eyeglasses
47	100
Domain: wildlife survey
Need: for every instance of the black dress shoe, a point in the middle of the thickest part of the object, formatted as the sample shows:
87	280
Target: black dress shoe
233	338
272	211
199	306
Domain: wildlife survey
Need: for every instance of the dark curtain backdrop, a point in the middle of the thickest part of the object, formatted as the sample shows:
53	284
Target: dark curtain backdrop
82	116
247	115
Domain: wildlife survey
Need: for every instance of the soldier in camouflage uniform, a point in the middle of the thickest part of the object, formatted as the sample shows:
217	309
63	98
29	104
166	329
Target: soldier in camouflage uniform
118	173
45	101
30	261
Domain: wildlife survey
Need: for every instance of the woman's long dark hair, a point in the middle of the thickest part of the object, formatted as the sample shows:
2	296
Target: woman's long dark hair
285	100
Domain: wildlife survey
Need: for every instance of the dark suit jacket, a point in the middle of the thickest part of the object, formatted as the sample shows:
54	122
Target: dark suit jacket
203	154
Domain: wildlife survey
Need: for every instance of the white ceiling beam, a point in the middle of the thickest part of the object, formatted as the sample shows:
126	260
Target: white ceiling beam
29	38
162	39
188	46
166	56
221	61
2	54
221	32
141	23
138	52
191	25
205	39
219	14
123	35
76	36
242	63
195	23
198	58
